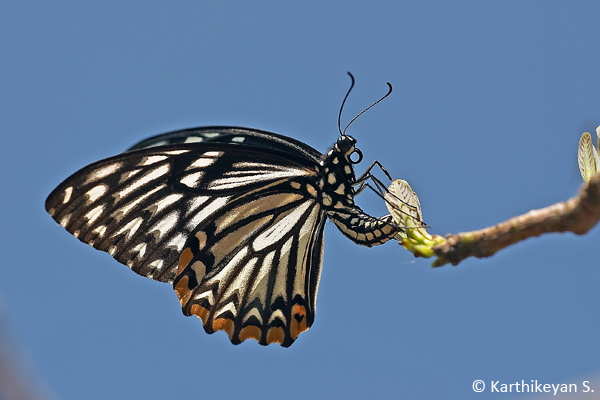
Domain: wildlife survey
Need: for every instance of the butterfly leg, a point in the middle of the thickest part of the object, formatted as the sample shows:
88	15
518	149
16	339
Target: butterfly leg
362	182
379	189
367	174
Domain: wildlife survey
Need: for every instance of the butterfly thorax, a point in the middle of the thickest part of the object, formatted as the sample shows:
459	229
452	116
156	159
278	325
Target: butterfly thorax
337	175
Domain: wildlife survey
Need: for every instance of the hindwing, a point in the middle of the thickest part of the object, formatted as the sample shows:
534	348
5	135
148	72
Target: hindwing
254	270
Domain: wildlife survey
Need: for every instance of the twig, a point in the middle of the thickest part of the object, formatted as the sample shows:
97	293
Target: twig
578	215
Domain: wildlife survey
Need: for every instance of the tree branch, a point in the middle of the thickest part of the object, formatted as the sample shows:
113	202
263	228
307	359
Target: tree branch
578	215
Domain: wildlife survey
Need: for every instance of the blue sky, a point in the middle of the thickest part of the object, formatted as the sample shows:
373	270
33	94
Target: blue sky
489	101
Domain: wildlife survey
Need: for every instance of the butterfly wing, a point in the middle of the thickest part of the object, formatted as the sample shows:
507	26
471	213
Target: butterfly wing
245	137
263	238
254	271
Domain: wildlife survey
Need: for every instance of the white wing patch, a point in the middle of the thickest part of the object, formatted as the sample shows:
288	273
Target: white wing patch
231	265
246	177
126	175
164	203
228	307
65	220
164	225
67	196
206	211
194	203
192	180
140	249
281	228
144	180
278	315
152	160
157	264
130	227
174	152
177	242
193	139
202	162
260	285
100	230
94	213
306	233
95	193
208	295
103	172
241	283
123	211
254	312
279	287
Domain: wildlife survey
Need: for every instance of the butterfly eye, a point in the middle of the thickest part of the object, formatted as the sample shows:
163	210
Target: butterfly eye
360	156
344	144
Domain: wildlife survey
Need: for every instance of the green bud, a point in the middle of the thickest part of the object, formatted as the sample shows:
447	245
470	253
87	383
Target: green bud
405	207
587	156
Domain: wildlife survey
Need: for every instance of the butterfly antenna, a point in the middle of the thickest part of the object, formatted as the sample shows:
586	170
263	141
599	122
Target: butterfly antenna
343	102
368	108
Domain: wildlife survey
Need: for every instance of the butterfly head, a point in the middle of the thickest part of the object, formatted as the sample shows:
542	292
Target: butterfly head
346	145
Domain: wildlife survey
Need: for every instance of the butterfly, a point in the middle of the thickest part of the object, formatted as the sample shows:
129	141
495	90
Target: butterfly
232	217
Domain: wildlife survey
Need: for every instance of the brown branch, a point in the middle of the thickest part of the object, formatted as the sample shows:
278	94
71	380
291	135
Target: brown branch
578	215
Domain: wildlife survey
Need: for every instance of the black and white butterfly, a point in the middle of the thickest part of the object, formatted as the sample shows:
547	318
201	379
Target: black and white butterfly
232	217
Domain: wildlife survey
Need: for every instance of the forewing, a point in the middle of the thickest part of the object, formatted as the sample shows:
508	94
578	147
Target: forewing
141	206
254	270
236	136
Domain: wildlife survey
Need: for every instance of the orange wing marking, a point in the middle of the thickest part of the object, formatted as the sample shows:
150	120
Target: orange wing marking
250	332
223	324
298	321
275	335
